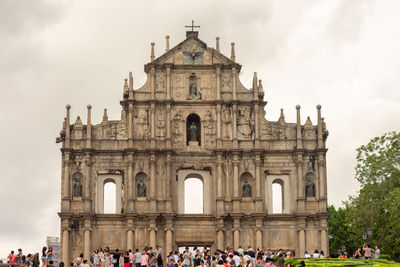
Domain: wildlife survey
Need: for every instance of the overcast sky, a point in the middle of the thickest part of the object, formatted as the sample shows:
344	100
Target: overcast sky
343	55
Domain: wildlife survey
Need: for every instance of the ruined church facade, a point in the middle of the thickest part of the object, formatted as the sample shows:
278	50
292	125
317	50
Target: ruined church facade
193	118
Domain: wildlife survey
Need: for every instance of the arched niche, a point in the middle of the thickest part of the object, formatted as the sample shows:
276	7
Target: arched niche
77	185
310	176
193	119
246	181
141	177
281	181
102	179
205	177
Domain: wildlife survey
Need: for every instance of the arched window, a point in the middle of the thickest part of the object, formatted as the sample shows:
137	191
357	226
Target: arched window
277	196
193	129
110	196
193	196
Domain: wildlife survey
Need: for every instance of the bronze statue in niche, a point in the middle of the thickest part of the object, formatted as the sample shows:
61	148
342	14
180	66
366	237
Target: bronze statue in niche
310	188
246	189
141	188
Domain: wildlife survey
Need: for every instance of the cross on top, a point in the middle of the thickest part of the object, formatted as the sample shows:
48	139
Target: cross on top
192	26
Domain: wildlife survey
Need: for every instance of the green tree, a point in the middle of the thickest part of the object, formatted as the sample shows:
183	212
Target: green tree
378	203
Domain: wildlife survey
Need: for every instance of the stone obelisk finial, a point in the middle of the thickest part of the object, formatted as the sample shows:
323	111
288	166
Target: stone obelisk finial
67	127
255	91
233	57
167	43
217	44
130	85
319	125
89	127
152	57
298	128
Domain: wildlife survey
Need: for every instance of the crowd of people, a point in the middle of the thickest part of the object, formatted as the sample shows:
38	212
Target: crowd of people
198	257
369	252
188	258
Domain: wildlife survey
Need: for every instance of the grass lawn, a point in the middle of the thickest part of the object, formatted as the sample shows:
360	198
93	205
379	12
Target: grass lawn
341	262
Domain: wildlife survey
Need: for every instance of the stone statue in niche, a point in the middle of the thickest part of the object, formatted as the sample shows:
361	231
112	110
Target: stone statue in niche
193	132
77	188
142	124
141	188
160	125
310	188
246	189
193	91
226	119
245	125
209	130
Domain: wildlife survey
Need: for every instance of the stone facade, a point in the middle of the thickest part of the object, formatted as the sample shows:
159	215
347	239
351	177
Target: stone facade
232	148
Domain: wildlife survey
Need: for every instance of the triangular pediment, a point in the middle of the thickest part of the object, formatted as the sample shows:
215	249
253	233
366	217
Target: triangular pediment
193	51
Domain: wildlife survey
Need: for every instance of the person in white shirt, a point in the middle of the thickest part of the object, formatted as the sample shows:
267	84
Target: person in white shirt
306	255
316	254
85	264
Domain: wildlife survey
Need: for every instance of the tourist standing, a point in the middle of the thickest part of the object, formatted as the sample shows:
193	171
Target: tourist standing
44	257
138	258
281	261
126	259
116	256
367	251
144	261
187	257
107	258
377	252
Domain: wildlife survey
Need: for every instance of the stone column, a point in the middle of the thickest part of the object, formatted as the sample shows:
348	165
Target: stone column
152	83
65	204
259	229
130	184
321	174
324	236
220	234
218	83
234	88
152	182
130	127
168	125
228	172
256	126
219	175
152	232
236	233
300	183
302	240
168	183
168	235
259	200
168	82
129	234
87	244
234	118
235	176
219	121
88	187
65	240
153	125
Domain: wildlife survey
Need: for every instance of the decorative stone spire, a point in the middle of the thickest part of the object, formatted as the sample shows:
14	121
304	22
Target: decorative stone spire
126	87
67	126
320	142
105	118
78	123
217	44
167	43
260	90
255	91
281	120
308	123
233	57
152	57
89	126
298	128
130	85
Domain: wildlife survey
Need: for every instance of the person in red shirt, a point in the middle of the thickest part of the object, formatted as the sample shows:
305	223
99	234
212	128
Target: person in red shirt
12	258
